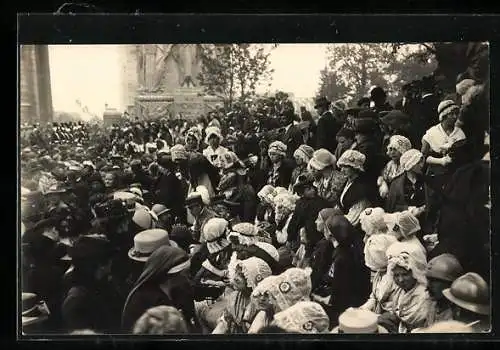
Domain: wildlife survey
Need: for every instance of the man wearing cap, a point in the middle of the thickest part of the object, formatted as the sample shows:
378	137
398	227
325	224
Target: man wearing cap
327	126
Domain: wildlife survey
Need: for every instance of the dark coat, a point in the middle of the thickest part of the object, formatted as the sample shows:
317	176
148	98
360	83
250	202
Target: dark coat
463	227
169	191
305	214
292	138
374	162
91	306
362	188
246	198
284	174
347	279
326	130
403	194
427	115
322	259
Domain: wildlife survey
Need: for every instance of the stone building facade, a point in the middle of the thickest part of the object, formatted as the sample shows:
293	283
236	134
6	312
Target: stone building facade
35	95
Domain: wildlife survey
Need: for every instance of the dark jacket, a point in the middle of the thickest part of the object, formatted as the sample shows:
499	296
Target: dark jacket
362	188
347	279
284	174
374	162
322	259
326	130
292	138
305	214
246	198
169	191
403	194
155	287
93	306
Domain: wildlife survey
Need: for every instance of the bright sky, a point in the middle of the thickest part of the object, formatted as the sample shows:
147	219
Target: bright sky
91	73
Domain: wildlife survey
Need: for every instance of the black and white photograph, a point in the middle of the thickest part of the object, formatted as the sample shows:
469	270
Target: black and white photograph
254	188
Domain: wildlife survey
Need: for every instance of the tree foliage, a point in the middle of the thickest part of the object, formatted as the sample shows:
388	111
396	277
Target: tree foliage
354	68
232	71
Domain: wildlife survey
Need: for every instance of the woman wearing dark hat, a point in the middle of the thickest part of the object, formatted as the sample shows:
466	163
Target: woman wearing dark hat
91	301
163	282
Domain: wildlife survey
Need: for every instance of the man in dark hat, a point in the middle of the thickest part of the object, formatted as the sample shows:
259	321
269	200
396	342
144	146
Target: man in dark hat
427	112
327	126
379	98
201	213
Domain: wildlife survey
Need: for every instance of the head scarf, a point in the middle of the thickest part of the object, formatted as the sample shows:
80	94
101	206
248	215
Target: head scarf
304	152
246	233
375	251
284	204
372	221
266	193
288	288
255	270
410	158
163	261
277	147
212	131
178	152
214	232
406	256
406	225
446	107
399	143
303	317
194	132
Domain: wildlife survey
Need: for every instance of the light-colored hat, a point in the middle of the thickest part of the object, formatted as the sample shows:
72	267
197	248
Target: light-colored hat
178	152
143	218
89	164
303	317
146	242
214	233
246	233
267	192
399	143
305	152
321	159
464	85
194	132
254	270
410	158
375	251
444	267
269	249
372	221
159	209
446	107
194	198
450	326
358	321
353	159
406	225
212	131
405	255
470	292
277	147
288	288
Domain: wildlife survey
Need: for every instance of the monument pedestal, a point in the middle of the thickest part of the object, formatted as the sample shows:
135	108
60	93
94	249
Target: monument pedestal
190	103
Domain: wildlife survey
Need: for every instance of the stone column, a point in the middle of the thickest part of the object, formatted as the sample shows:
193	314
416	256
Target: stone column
35	90
129	79
150	63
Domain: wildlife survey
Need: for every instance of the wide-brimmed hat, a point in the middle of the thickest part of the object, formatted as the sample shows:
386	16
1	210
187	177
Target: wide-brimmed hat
93	247
160	209
321	159
445	267
471	293
353	159
146	242
358	321
321	101
34	309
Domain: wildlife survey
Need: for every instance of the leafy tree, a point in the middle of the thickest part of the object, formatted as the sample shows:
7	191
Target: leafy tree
331	86
360	66
232	71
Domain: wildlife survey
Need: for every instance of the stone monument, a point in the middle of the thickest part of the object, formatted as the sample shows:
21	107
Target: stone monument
161	81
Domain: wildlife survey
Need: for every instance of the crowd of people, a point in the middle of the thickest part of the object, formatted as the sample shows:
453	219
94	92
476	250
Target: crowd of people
370	219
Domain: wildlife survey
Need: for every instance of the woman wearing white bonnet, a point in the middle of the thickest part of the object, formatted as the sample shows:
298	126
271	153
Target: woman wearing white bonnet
214	150
405	229
277	293
305	317
284	206
408	294
372	222
242	235
376	260
240	311
407	191
265	209
397	146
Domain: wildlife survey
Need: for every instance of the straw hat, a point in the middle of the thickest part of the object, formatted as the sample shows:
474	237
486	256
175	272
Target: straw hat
146	242
358	321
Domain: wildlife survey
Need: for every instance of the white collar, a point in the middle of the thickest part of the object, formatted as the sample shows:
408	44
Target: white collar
426	95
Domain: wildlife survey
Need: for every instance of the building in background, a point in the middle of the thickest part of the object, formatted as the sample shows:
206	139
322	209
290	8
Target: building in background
35	95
